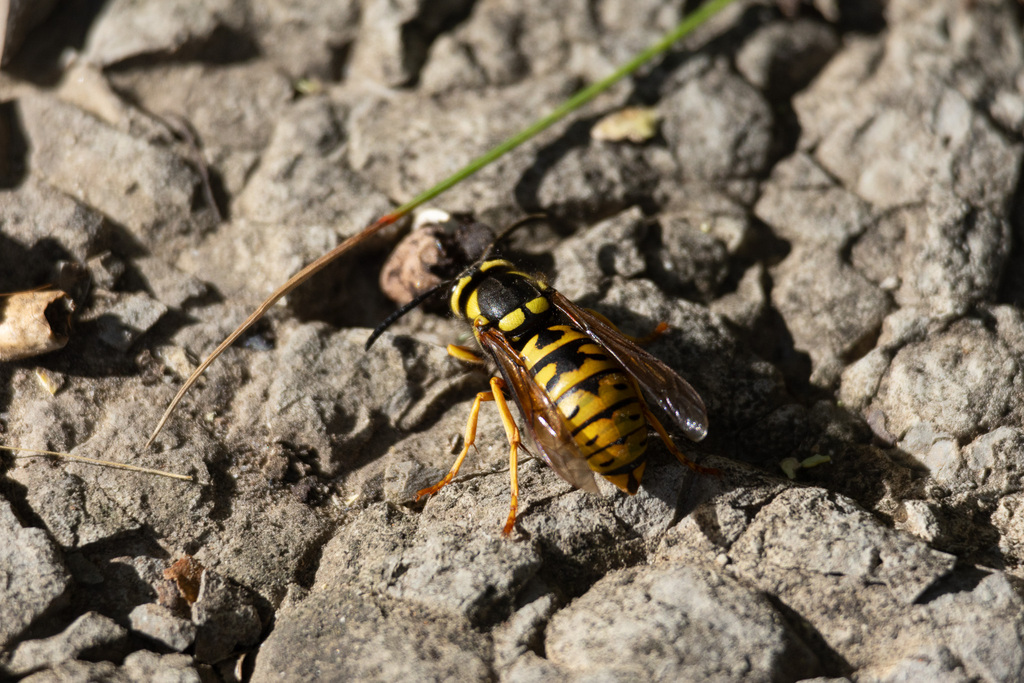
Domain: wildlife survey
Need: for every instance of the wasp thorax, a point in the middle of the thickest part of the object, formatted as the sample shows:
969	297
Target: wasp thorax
494	293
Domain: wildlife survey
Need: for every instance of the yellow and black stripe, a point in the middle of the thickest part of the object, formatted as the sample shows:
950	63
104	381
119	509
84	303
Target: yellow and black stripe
597	398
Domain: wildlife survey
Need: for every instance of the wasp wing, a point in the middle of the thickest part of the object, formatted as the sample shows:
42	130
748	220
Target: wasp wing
545	424
673	393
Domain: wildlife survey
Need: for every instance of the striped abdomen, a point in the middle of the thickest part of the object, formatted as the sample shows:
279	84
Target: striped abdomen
596	397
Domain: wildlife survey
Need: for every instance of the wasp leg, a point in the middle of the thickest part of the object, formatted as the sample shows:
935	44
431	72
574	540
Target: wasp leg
511	431
464	353
474	412
667	440
661	328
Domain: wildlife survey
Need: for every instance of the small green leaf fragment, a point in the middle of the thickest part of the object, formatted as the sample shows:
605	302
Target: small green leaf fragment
815	460
791	465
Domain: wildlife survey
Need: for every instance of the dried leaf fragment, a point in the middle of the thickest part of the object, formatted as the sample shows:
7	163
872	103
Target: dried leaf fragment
34	322
50	381
635	124
186	572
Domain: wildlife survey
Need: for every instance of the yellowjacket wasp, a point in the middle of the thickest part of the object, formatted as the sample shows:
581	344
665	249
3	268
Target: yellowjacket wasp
577	379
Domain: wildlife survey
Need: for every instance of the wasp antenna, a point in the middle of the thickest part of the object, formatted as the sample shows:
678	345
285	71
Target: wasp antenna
293	282
489	252
390	320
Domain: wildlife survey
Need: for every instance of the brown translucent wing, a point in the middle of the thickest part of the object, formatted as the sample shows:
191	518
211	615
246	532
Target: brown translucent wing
545	424
661	383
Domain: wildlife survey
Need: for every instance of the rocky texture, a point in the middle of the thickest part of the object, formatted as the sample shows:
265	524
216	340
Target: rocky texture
689	621
91	636
35	579
828	218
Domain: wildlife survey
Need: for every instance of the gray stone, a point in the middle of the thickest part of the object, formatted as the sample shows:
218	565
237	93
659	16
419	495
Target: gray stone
305	38
128	29
307	405
936	450
830	325
523	631
402	164
353	632
859	380
92	635
469	578
693	259
355	636
929	664
954	256
232	109
35	580
37	219
302	178
123	319
874	576
137	184
872	553
225	618
983	626
748	305
718	127
170	286
139	667
963	381
88	517
893	130
1008	519
291	532
803	204
614	245
780	58
592	179
142	666
159	624
990	462
920	519
138	578
394	36
505	42
76	671
83	503
709	208
674	623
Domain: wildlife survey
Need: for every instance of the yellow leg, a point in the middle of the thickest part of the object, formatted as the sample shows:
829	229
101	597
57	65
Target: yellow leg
659	330
464	353
511	431
653	421
474	412
642	341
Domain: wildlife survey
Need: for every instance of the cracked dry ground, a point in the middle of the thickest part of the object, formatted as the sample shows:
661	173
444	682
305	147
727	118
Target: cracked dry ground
829	220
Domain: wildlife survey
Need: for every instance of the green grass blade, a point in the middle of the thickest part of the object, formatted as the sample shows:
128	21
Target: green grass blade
689	23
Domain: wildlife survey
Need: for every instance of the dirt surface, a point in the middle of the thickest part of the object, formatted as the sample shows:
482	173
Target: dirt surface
828	218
